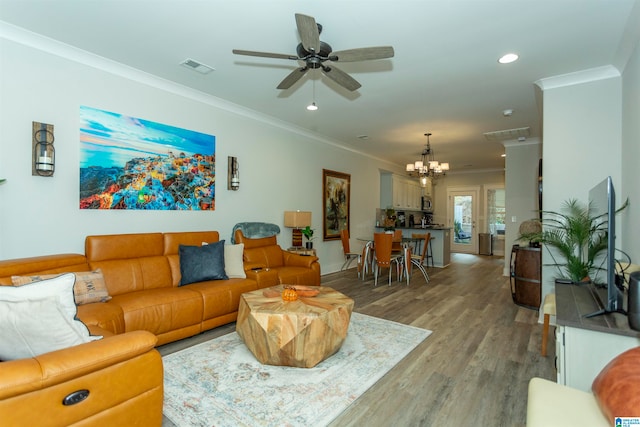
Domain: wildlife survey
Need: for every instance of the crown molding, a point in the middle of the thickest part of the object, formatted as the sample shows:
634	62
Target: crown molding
578	77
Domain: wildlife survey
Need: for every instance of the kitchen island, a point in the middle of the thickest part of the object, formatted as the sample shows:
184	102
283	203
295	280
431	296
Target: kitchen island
440	242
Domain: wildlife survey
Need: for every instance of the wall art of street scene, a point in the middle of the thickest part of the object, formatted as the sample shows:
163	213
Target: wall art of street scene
131	163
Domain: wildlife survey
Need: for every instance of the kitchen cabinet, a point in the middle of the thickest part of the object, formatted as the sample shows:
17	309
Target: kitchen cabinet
427	190
405	193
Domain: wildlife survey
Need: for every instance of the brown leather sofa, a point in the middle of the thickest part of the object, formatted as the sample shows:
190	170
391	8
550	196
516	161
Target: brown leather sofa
142	273
123	371
291	269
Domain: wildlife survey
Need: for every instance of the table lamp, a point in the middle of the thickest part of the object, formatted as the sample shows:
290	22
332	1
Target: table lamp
297	220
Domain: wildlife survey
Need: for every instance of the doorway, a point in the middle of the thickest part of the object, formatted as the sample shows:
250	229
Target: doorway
462	217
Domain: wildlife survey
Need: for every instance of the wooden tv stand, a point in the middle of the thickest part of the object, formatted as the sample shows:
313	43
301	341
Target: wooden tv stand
585	345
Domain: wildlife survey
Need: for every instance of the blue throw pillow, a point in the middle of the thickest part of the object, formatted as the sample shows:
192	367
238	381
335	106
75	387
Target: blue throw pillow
200	263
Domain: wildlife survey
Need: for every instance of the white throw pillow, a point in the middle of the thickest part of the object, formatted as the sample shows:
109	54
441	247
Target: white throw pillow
233	265
233	261
40	317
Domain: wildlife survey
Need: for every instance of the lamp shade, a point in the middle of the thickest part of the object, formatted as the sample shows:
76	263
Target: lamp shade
297	219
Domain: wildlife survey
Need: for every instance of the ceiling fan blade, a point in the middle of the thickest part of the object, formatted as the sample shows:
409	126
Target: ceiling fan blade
309	33
362	54
292	78
264	54
342	78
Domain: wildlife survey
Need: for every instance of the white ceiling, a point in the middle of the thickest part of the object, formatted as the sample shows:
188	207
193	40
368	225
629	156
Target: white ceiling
444	78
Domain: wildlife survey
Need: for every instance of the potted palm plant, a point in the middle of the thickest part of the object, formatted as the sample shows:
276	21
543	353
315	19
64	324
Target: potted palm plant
577	236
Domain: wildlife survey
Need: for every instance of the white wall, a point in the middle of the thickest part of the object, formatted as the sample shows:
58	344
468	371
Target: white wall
582	141
630	217
41	216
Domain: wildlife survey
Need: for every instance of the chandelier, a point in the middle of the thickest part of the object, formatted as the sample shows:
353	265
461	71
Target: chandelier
427	166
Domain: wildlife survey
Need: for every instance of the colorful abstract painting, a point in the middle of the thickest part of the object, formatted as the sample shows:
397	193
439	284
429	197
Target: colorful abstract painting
131	163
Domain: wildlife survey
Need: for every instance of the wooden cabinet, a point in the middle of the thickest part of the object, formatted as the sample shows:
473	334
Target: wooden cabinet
584	345
526	272
427	190
405	193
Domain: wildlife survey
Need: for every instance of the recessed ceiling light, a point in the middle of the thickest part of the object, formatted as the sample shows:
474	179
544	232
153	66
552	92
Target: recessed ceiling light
508	58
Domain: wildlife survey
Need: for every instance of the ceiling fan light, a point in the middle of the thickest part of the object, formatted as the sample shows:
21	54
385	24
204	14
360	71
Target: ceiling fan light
312	107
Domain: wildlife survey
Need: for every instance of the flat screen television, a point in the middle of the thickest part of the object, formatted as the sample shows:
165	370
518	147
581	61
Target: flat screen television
602	205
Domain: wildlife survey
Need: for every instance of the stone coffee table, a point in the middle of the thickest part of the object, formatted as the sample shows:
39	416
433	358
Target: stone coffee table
299	333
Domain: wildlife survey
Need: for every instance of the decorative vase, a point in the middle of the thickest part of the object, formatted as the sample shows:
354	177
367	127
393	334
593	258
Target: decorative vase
309	245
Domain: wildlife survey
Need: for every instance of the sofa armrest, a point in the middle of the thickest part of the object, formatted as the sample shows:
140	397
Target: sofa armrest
250	265
26	375
105	315
265	278
555	405
297	260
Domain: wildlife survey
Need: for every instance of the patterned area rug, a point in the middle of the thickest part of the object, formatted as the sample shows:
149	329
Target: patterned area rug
220	383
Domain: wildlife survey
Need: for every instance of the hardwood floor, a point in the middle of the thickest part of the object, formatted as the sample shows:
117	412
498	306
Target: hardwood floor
475	367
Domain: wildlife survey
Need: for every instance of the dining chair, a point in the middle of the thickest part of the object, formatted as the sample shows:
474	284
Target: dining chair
348	255
383	258
429	255
365	260
396	246
418	260
405	262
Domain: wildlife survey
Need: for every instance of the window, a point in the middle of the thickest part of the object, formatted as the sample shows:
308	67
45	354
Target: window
496	210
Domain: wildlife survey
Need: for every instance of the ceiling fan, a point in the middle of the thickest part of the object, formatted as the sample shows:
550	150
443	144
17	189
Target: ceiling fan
315	53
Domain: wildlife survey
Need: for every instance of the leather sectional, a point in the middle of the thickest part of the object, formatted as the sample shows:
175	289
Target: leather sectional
147	308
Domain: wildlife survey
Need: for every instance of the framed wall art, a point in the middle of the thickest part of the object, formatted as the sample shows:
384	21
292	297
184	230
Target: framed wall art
336	195
132	163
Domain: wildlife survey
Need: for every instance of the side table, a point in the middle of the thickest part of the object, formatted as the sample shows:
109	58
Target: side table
302	251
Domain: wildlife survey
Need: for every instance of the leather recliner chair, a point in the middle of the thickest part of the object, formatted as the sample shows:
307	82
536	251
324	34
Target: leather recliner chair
119	376
291	268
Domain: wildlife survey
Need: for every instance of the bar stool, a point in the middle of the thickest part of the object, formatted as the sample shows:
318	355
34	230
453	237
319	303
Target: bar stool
549	309
429	254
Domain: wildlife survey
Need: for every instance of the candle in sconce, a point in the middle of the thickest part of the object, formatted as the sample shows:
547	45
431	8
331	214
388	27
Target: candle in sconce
45	163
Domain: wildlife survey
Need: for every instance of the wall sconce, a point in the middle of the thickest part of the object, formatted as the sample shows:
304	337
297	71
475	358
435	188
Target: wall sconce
233	174
44	155
297	220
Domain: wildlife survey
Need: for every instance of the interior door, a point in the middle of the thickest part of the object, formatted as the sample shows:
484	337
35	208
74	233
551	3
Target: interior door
462	213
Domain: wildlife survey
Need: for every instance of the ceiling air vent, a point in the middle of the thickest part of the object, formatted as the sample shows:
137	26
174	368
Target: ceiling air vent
505	135
196	66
